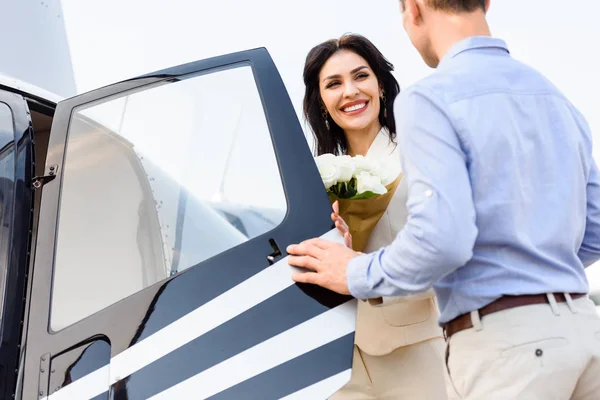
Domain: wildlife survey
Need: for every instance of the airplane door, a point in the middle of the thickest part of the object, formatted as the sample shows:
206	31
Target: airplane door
16	169
160	266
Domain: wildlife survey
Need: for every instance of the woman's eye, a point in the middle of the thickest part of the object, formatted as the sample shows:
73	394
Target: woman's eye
332	84
361	76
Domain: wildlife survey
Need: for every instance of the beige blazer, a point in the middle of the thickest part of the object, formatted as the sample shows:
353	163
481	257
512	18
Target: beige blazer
386	324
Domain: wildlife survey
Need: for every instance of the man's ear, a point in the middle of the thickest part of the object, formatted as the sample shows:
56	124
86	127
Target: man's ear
487	5
413	11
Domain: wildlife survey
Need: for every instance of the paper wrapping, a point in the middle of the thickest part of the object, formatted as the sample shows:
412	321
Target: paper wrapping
362	215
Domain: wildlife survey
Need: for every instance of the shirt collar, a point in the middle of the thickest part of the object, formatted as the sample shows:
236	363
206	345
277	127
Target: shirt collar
380	144
472	43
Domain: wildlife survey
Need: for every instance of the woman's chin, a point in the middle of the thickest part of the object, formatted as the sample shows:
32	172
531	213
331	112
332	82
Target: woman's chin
358	124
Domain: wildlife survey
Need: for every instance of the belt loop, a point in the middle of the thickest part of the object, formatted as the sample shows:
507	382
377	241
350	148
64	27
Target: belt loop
553	304
476	320
570	303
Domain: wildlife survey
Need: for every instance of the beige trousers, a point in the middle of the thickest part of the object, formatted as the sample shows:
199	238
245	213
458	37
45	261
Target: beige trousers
536	352
414	372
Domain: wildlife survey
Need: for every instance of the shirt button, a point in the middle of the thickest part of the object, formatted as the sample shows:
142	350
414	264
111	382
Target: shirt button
428	193
539	352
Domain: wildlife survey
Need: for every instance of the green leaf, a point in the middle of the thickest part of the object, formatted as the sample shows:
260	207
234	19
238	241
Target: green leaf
347	189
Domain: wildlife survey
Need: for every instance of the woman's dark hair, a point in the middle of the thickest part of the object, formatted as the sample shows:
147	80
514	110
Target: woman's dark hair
332	140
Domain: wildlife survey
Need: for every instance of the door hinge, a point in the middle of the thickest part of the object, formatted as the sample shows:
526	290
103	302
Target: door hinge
44	378
49	175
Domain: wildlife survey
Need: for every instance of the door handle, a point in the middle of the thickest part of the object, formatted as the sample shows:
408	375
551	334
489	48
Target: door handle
276	254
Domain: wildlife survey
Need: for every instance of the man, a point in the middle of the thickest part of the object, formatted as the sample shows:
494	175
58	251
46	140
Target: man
504	215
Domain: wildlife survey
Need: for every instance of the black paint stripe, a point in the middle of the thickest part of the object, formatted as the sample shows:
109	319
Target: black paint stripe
101	396
275	315
94	357
66	370
308	369
202	283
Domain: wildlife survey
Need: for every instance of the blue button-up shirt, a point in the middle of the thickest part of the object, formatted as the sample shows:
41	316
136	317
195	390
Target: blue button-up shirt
504	195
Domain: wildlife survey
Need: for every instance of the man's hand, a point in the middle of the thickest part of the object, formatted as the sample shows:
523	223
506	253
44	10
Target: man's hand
327	262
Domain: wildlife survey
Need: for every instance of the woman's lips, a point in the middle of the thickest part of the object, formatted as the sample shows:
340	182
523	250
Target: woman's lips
355	108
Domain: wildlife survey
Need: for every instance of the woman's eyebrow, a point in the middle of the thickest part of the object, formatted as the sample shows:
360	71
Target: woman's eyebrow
337	76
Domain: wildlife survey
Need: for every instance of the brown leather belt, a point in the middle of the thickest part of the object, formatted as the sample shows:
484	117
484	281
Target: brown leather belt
463	321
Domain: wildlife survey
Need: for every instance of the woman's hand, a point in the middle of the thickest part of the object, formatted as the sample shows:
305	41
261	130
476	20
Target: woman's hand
341	225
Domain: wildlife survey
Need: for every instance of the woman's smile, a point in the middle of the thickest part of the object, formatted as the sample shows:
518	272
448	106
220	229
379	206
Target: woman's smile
354	107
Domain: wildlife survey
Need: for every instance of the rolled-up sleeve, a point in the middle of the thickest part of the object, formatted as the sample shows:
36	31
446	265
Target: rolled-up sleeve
440	231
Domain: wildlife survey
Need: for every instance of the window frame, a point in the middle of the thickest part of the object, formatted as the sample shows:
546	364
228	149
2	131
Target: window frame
79	112
147	311
19	241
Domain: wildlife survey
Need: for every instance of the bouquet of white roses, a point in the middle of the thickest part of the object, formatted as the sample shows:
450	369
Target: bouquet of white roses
363	188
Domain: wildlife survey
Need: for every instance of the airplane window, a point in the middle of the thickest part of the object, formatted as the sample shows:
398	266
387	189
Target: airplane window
7	176
158	180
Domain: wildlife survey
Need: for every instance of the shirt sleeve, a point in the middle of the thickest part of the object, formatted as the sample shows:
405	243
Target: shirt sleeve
440	231
589	252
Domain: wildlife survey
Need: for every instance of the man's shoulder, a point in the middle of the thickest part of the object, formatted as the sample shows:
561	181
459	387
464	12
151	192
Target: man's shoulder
457	82
436	83
440	87
434	88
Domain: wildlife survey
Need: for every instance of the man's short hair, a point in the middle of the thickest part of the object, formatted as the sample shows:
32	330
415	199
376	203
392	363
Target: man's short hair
454	5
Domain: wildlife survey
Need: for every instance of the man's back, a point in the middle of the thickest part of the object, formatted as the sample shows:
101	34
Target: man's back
529	157
503	215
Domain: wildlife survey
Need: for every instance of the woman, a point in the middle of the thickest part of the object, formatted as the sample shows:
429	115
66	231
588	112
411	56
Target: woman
348	103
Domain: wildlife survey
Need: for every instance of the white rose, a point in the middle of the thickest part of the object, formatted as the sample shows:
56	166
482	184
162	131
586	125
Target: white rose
365	164
365	182
328	169
389	172
346	168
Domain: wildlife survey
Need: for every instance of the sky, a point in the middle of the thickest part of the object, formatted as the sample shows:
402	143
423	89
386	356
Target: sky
114	40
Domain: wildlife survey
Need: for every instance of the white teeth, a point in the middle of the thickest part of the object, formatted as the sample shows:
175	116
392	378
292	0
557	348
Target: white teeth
355	107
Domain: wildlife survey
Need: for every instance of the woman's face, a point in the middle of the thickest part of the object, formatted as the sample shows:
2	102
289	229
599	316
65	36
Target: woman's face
350	91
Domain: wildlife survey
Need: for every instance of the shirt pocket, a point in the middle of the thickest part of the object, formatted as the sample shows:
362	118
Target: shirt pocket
406	314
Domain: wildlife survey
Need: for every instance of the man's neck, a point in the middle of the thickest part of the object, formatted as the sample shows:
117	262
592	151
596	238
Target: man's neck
453	28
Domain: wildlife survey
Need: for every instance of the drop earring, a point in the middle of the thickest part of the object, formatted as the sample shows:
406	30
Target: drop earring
384	105
325	117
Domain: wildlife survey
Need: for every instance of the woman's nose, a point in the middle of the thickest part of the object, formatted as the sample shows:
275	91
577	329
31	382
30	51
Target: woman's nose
350	90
